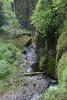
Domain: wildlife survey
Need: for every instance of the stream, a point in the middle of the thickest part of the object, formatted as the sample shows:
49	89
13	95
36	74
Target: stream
31	58
42	81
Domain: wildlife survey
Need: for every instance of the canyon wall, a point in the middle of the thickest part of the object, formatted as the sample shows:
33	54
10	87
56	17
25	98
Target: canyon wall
24	9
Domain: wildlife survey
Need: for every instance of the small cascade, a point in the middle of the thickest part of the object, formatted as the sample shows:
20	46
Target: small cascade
31	58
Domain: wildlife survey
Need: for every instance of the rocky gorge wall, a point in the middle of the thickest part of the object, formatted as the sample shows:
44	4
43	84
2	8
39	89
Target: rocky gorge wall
24	9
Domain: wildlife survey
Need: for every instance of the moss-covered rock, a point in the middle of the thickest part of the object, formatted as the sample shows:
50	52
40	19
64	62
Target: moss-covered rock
22	40
62	45
63	80
50	65
47	64
42	61
62	41
62	64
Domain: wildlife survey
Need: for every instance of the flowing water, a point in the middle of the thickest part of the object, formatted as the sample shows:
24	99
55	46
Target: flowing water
31	59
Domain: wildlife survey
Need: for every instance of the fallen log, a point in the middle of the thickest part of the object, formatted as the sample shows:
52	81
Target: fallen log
33	73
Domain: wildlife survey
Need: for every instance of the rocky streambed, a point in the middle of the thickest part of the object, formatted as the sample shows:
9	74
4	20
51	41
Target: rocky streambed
35	85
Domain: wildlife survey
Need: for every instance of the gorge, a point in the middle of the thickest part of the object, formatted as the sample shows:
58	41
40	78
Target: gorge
33	50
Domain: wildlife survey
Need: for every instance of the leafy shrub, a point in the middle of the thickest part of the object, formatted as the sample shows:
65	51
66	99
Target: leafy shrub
2	20
11	22
9	52
48	17
4	68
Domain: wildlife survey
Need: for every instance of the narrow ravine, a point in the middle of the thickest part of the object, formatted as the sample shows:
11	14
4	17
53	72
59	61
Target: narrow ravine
42	82
35	85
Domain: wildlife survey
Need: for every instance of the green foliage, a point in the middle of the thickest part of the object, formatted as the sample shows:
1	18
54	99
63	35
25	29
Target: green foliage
48	17
9	52
11	22
42	61
61	92
57	94
2	21
62	50
10	66
50	95
50	65
51	19
63	80
62	41
4	68
22	41
62	64
47	64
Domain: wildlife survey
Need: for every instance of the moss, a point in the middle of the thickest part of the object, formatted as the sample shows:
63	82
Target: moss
62	64
50	63
62	41
47	64
61	92
42	62
21	41
62	44
63	80
57	94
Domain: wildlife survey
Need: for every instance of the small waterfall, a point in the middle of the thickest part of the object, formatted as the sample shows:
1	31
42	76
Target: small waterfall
31	58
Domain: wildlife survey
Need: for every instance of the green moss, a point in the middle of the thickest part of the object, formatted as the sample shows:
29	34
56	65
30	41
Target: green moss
50	63
21	41
62	44
63	79
57	94
42	62
48	16
4	68
62	64
62	41
47	64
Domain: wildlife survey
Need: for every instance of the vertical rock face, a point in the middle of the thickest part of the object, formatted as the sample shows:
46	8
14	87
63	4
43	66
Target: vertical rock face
24	9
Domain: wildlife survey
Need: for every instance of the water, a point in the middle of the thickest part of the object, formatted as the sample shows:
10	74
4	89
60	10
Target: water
29	69
31	57
35	97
